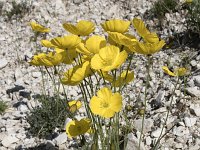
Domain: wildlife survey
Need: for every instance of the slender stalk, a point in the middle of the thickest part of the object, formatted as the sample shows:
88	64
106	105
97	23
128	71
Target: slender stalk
145	99
170	105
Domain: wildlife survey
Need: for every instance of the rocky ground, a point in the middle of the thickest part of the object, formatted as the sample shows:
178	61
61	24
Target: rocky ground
19	81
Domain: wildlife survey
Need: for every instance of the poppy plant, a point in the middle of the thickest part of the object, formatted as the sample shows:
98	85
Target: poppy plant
106	103
76	127
39	28
82	28
108	58
116	25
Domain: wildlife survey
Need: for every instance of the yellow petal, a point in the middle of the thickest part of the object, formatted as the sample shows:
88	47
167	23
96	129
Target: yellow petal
39	28
167	71
75	127
46	43
151	38
108	58
124	78
140	27
83	28
148	48
116	25
68	55
66	42
74	105
122	39
116	102
120	59
180	71
104	93
70	28
96	62
95	43
95	102
74	76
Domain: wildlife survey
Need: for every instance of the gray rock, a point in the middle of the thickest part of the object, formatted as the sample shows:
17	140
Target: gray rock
8	140
133	143
36	74
189	122
160	96
62	138
179	145
157	132
193	91
49	144
2	135
180	131
148	140
3	63
195	109
22	108
197	80
77	1
193	63
195	147
18	73
148	123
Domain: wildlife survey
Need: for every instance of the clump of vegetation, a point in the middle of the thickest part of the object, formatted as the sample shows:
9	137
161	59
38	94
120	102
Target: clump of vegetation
19	10
193	16
161	7
3	107
46	118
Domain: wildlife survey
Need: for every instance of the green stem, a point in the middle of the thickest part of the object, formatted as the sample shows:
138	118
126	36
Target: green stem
170	105
145	99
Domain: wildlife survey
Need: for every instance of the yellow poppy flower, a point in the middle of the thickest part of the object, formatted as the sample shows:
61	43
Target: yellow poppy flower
74	105
68	55
75	75
48	60
47	43
39	28
92	46
66	42
51	59
36	59
75	127
122	39
144	32
148	48
82	28
124	78
108	58
106	103
177	71
116	25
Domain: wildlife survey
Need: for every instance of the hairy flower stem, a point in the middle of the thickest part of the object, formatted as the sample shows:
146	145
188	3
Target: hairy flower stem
145	98
170	105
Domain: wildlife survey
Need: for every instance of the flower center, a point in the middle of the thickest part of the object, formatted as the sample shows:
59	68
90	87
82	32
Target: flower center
104	105
79	128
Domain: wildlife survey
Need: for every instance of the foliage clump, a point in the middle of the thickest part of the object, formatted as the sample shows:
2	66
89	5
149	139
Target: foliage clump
3	107
193	16
19	10
161	7
46	118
